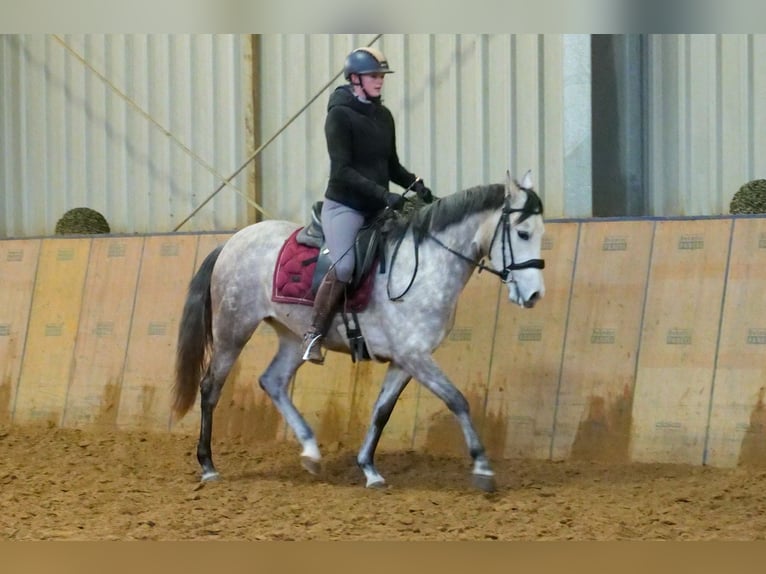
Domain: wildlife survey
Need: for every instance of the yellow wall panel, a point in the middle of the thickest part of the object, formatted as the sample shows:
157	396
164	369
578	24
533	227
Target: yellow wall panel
18	266
526	361
593	417
53	323
102	337
679	339
166	269
737	432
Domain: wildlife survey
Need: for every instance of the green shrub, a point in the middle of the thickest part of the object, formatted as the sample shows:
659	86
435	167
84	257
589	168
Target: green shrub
750	198
82	220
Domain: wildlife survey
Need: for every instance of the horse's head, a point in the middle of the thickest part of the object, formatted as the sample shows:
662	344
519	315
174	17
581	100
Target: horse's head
517	240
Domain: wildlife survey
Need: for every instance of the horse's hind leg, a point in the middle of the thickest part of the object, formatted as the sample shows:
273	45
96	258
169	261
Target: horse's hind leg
210	391
393	385
275	381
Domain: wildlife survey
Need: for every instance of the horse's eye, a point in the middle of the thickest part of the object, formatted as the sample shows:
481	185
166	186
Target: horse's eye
524	235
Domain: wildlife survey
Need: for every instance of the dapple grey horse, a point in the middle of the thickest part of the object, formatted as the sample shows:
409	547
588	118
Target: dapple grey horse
411	310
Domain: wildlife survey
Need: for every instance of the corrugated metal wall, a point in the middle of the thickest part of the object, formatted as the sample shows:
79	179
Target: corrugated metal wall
68	140
467	106
706	120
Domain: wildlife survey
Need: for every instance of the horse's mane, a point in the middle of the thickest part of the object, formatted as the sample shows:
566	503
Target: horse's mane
446	211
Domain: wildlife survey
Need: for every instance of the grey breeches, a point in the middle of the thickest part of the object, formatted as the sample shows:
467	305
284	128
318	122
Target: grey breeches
341	224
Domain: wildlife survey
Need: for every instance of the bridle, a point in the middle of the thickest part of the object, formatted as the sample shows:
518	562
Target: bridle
532	206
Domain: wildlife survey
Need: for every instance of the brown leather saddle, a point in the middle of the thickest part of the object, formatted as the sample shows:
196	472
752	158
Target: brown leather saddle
368	249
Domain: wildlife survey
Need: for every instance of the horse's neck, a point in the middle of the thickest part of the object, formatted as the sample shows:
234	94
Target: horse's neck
471	239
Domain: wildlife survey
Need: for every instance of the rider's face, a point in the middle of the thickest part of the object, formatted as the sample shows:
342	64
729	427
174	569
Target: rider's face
373	84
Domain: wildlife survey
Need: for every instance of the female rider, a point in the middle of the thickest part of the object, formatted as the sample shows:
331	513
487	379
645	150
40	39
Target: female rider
361	141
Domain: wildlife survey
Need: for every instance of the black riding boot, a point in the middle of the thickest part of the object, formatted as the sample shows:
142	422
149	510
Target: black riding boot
325	301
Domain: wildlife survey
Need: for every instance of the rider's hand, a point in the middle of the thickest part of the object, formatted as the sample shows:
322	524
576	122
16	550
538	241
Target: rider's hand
423	192
394	201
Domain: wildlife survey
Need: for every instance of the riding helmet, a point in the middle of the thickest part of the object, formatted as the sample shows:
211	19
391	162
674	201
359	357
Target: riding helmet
365	61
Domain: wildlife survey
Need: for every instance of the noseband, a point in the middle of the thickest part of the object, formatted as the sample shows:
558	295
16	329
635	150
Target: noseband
533	206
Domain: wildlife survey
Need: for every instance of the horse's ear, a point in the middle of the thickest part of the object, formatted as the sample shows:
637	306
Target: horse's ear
526	181
512	186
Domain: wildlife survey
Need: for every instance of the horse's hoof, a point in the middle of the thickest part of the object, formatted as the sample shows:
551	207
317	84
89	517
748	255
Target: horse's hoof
484	482
209	476
311	465
377	484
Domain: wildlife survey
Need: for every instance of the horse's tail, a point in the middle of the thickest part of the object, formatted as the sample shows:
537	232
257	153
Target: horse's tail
195	336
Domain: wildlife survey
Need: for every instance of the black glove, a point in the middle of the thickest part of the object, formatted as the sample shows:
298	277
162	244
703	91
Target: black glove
394	201
423	192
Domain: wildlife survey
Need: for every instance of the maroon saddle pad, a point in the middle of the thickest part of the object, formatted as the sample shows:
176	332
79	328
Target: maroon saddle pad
294	272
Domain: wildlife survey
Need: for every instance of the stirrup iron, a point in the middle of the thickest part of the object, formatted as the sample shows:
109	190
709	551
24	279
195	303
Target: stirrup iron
312	349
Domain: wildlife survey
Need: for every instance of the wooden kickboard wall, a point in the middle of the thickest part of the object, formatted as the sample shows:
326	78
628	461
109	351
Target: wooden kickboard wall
18	269
650	345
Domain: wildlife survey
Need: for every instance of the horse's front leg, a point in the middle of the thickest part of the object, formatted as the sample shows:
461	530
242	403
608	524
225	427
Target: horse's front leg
393	385
425	370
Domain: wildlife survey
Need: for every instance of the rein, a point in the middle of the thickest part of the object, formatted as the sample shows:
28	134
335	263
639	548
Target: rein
533	206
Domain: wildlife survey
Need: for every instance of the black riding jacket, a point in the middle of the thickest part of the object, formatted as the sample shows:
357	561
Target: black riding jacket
361	140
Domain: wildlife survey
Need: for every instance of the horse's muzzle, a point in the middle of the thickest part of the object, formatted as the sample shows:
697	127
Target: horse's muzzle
533	299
